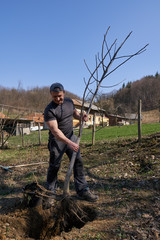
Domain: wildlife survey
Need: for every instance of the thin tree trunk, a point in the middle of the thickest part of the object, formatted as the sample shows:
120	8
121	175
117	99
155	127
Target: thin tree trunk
159	111
2	138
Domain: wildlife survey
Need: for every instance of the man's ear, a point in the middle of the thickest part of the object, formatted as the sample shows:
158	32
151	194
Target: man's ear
64	91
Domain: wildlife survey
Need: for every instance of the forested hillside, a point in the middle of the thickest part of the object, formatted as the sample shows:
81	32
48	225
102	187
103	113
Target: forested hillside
35	99
126	99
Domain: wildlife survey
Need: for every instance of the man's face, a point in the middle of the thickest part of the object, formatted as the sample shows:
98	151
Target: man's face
58	97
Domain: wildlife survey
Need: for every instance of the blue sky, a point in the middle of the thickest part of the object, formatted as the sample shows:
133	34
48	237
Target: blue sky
46	41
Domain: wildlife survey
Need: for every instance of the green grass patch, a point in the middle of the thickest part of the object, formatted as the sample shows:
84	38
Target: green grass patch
31	139
119	132
106	133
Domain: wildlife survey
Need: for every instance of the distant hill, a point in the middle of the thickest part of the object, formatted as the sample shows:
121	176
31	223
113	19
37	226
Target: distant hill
117	102
35	99
126	98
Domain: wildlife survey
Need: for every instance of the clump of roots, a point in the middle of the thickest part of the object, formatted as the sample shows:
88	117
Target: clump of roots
70	214
65	214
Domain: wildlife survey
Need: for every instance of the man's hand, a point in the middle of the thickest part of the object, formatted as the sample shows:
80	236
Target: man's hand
85	117
74	146
53	126
77	115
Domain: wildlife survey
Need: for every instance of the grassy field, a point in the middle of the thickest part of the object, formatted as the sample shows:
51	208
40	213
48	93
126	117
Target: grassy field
106	133
120	132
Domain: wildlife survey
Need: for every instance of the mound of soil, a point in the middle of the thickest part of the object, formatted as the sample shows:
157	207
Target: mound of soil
25	222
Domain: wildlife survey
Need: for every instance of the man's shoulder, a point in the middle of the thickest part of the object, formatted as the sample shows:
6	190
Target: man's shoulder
68	100
50	112
49	106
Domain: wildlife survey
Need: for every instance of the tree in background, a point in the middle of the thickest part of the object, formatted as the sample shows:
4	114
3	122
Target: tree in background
146	89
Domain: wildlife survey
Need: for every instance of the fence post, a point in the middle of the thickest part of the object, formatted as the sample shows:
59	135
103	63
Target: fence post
139	119
39	130
1	128
102	120
93	130
22	136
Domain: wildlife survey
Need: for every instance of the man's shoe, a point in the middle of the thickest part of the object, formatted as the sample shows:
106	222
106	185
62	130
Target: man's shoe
88	196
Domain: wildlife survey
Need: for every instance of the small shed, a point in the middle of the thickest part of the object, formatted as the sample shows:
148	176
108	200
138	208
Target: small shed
16	126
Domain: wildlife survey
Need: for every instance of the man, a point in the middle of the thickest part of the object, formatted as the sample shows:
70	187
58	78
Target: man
58	116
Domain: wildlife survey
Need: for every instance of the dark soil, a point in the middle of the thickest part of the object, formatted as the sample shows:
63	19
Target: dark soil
124	173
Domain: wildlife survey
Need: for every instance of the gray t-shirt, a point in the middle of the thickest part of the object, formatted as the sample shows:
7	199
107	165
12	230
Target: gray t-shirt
63	113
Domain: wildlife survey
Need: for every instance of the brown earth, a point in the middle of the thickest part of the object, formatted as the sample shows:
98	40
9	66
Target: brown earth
152	116
124	173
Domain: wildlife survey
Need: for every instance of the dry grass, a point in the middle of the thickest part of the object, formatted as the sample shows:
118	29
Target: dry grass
152	116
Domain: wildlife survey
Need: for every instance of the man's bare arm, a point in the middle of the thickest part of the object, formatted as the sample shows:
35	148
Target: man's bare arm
53	126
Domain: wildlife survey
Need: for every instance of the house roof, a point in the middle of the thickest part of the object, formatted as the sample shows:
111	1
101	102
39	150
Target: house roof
36	117
131	116
128	116
115	116
78	102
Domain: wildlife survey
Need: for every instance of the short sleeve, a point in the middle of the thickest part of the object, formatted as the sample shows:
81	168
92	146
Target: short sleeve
49	115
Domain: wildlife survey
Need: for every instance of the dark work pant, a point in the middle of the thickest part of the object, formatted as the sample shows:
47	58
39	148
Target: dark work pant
57	149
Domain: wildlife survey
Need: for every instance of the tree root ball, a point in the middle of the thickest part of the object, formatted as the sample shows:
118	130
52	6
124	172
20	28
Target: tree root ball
45	223
70	214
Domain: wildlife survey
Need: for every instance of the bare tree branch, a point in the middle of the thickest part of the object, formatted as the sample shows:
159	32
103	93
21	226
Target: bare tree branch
113	85
96	79
131	56
105	73
97	69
